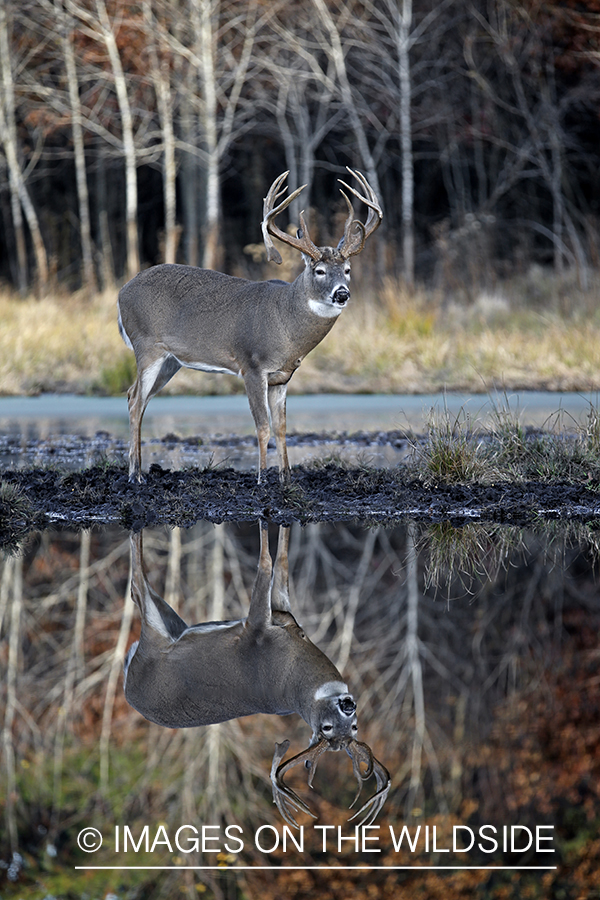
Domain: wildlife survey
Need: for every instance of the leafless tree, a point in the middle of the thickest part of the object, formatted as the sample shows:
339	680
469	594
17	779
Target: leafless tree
65	29
159	58
20	198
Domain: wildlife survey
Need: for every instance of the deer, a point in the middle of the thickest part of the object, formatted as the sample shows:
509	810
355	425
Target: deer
173	315
183	676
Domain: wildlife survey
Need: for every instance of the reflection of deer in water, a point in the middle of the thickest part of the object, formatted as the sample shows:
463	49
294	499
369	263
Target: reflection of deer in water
181	676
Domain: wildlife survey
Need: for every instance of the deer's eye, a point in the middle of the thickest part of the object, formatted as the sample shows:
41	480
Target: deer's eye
347	271
326	729
320	271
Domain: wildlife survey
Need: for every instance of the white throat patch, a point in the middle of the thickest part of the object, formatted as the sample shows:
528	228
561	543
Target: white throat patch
324	310
330	689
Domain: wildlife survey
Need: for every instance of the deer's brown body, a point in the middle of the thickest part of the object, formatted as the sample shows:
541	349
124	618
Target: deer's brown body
174	316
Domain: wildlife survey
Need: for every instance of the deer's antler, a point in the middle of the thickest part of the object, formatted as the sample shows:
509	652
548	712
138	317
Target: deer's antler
302	242
288	801
283	796
355	233
362	753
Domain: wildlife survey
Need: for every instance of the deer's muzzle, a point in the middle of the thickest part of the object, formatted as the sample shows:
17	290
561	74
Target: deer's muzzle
341	295
347	705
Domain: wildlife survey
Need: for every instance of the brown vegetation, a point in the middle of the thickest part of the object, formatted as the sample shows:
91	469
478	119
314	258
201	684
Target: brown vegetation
393	340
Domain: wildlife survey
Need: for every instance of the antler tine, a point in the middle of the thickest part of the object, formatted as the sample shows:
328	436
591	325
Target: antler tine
284	797
360	752
351	244
269	229
349	240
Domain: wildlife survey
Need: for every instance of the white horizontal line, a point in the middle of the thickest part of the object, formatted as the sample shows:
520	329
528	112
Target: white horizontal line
225	868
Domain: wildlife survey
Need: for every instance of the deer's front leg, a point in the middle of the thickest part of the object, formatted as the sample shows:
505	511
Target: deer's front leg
255	382
259	614
280	587
277	400
136	412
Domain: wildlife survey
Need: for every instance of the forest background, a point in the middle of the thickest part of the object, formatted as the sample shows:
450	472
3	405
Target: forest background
140	133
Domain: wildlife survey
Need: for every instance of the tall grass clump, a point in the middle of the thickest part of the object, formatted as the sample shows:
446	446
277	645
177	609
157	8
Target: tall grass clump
452	451
467	552
563	449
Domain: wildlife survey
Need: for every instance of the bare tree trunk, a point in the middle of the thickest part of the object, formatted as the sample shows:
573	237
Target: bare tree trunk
339	60
65	25
173	577
203	13
216	613
8	750
404	21
160	78
116	667
17	218
106	267
337	54
133	260
189	194
219	101
8	136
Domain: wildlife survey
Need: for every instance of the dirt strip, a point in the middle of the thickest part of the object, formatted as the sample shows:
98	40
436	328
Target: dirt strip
329	492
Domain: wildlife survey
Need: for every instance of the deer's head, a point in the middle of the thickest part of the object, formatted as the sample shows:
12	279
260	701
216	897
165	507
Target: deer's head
328	267
334	728
333	718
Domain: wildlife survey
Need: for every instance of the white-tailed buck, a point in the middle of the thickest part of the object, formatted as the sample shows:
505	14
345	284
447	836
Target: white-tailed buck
181	676
173	316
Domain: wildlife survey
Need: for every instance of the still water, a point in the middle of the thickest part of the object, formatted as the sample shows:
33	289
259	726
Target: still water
73	431
472	655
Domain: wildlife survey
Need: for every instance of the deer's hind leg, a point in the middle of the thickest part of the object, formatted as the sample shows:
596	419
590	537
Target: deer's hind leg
151	377
155	611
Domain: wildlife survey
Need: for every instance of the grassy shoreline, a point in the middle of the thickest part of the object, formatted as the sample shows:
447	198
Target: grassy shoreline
395	342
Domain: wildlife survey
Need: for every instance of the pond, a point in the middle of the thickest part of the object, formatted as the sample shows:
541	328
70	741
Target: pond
457	626
472	655
73	431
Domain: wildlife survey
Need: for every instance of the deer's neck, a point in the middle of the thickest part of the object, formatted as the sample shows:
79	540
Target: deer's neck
309	676
309	313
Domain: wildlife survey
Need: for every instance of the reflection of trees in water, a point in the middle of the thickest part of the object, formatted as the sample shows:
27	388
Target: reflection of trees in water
428	659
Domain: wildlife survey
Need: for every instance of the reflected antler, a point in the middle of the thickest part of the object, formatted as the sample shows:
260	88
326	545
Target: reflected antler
355	233
283	796
270	230
288	801
362	753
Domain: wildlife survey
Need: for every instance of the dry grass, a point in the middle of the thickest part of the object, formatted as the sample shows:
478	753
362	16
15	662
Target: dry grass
457	450
397	342
60	343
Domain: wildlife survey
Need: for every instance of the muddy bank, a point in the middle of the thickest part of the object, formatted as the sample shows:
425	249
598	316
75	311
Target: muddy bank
46	497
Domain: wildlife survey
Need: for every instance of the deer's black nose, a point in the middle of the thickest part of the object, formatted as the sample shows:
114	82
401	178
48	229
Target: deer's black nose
341	295
347	705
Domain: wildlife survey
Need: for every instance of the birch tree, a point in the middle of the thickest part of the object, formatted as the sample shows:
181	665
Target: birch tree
99	28
351	103
131	199
300	93
403	20
220	54
65	25
159	72
20	199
